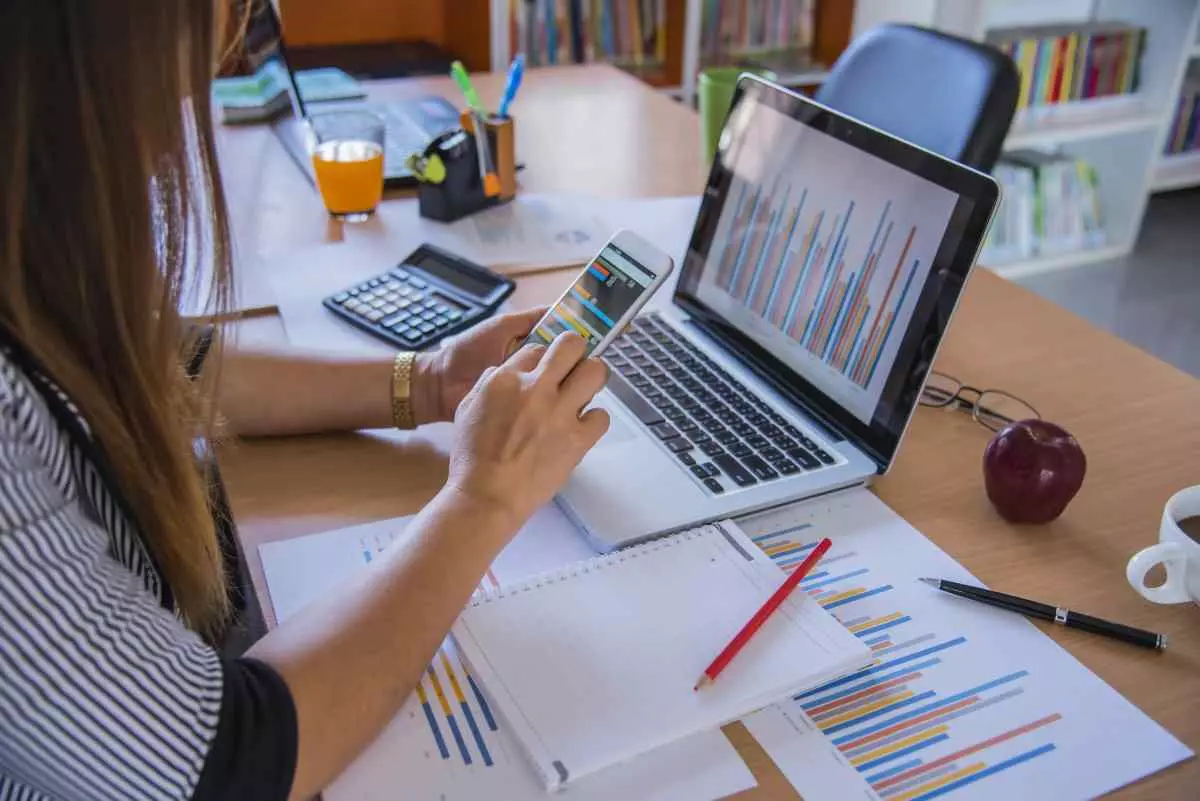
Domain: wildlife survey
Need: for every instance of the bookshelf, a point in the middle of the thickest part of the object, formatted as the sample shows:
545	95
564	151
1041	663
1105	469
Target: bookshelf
1121	137
794	38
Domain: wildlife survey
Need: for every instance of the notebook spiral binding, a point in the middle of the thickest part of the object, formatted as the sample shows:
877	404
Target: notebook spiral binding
486	596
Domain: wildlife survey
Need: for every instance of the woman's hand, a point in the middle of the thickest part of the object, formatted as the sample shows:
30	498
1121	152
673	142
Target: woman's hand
522	429
441	379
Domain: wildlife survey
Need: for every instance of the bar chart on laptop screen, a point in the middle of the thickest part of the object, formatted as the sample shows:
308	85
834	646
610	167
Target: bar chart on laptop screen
823	250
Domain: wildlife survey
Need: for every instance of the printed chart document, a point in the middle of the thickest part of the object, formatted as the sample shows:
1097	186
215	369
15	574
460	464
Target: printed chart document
963	702
447	743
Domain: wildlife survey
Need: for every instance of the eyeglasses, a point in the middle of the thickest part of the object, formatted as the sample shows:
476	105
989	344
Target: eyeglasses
991	408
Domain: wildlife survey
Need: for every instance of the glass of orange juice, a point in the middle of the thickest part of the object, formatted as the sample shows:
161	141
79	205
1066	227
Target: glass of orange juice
347	157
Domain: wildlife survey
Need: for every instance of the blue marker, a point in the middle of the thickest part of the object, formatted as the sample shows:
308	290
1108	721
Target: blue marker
516	71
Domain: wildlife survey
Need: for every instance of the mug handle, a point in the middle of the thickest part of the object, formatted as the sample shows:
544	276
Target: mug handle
1174	558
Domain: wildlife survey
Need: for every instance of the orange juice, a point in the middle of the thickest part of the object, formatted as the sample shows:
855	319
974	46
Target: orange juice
349	175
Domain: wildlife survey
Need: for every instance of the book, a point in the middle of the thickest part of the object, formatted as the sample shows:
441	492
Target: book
594	664
258	97
1183	135
1067	63
739	31
622	32
1050	203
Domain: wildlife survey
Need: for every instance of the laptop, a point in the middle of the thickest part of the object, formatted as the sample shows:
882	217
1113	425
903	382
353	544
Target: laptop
822	271
410	123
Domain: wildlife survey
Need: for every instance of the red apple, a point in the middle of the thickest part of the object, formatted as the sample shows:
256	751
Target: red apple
1032	469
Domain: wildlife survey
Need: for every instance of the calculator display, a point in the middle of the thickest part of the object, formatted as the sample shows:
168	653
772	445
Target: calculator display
472	285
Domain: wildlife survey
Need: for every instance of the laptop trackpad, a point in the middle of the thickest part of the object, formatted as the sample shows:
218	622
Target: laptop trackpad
618	431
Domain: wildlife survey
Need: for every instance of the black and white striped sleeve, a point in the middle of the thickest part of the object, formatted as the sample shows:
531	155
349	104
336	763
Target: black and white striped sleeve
103	693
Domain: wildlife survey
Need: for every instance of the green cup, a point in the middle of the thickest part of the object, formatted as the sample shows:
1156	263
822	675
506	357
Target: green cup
715	94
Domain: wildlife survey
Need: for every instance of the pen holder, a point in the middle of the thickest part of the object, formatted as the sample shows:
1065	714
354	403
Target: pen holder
502	142
451	185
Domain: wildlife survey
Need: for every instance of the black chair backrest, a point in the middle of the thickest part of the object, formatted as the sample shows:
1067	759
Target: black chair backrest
950	95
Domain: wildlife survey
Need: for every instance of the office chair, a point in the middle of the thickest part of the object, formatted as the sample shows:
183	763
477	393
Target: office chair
953	96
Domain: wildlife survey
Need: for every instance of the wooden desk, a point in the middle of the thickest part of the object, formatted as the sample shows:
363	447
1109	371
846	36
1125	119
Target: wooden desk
583	130
1134	415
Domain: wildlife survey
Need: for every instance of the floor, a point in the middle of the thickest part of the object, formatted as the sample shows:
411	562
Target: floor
1150	298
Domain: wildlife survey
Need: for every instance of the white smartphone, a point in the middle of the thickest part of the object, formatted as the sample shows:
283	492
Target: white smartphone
607	294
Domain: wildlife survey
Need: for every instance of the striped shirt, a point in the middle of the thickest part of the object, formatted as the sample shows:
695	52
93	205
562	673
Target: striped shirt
104	693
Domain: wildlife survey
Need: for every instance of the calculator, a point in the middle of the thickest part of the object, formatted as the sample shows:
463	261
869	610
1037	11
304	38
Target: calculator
429	296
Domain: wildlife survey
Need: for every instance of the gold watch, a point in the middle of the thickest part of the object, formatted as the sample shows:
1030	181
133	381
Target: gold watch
402	408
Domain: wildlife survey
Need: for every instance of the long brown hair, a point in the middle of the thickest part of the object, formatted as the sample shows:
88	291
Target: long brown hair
109	198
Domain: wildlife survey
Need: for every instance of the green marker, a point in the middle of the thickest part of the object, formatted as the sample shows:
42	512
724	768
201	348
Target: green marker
459	73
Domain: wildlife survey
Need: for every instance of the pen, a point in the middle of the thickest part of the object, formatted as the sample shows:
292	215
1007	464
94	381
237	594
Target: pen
459	73
516	71
755	623
487	173
1057	614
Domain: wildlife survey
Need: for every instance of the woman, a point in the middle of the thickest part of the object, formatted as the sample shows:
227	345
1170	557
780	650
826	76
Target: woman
115	588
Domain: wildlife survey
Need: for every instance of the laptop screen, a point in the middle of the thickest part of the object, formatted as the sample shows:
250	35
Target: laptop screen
263	44
824	249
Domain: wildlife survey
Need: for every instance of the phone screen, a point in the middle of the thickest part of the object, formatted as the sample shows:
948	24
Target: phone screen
605	290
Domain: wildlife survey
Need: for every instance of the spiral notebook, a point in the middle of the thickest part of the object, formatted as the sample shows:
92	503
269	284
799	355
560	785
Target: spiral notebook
594	664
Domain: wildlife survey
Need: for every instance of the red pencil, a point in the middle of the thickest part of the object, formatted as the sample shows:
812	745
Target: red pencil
755	623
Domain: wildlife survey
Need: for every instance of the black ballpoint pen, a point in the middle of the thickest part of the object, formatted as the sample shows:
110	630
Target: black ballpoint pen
1056	614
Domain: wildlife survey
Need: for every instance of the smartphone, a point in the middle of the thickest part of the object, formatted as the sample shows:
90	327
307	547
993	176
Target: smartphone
607	294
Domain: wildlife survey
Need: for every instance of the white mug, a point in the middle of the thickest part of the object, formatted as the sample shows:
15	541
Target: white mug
1178	553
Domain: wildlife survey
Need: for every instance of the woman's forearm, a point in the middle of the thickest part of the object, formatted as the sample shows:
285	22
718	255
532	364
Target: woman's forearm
352	659
277	392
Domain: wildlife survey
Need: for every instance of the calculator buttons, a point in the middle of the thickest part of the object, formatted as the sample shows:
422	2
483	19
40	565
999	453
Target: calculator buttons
375	281
454	316
341	297
417	282
403	304
426	327
363	287
440	321
390	308
378	303
392	297
375	315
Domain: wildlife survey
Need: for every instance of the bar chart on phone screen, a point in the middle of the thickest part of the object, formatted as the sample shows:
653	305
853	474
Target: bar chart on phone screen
960	700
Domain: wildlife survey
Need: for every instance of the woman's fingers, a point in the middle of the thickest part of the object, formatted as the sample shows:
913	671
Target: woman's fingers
527	358
581	386
515	327
593	425
561	357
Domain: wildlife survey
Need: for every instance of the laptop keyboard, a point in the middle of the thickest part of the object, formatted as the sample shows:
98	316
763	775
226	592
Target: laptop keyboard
717	429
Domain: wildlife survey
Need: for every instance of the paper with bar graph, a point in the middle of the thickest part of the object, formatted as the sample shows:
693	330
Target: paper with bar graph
446	743
822	253
963	701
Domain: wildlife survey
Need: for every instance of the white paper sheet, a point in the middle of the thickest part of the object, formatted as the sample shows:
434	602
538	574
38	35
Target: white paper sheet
300	281
471	756
664	221
966	701
531	232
